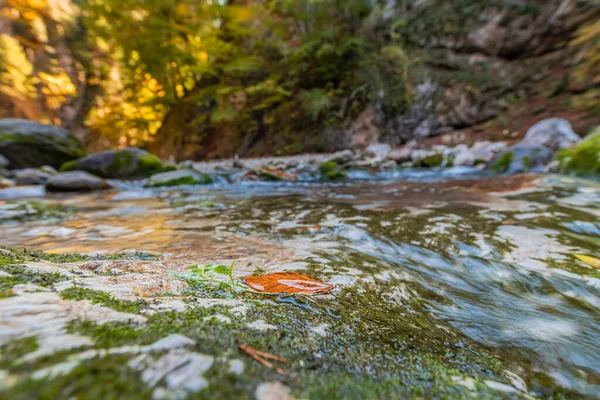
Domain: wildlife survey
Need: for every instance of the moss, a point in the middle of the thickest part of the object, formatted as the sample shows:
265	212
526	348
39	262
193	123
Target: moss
334	175
16	348
269	176
122	162
502	165
583	159
328	166
102	298
20	275
431	161
69	166
479	161
185	180
149	164
527	163
98	378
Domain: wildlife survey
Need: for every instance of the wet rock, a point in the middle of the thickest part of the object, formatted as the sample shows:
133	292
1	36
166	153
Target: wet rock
31	176
22	192
403	154
118	164
522	158
6	183
237	163
28	144
272	174
177	178
75	181
583	159
4	161
485	152
341	157
378	151
553	134
273	391
462	156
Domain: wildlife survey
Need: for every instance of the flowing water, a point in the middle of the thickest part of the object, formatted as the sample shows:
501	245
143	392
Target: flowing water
491	257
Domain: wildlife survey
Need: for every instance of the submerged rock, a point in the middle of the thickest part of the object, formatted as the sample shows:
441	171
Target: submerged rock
75	181
30	144
131	162
177	178
31	176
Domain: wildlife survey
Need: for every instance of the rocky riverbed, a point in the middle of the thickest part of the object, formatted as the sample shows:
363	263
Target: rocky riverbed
461	287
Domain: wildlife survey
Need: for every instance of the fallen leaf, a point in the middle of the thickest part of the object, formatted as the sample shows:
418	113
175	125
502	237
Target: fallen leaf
594	262
287	282
260	356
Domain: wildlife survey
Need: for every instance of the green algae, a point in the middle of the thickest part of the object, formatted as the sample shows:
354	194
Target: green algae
69	166
432	161
330	171
184	180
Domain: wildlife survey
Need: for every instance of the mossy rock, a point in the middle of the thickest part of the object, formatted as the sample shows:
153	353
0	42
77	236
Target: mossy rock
432	161
502	164
118	164
330	172
584	159
28	144
178	178
327	167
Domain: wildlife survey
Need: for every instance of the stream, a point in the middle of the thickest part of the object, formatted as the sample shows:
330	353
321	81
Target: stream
491	257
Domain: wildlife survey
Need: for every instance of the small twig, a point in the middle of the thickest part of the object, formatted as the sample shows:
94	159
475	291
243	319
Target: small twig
260	357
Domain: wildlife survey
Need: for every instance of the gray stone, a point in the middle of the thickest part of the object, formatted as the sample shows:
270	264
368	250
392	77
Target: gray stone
403	153
553	134
28	144
486	151
31	176
179	177
379	151
4	161
118	164
464	157
75	181
22	192
342	157
524	158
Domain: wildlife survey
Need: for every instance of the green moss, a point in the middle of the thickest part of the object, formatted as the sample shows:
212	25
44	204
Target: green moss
20	275
122	162
266	175
149	164
583	159
502	165
431	161
328	166
527	163
69	166
97	297
16	348
185	180
334	176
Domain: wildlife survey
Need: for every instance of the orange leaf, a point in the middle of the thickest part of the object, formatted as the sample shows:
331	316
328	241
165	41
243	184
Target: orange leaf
287	282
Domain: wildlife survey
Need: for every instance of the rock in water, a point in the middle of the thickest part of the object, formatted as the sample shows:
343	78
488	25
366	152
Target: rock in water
553	134
131	162
29	144
378	151
177	178
75	181
31	176
4	161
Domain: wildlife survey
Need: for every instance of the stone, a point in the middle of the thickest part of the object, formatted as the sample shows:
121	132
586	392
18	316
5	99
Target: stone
403	154
28	144
177	178
6	183
130	162
341	157
4	161
522	157
272	391
75	181
464	157
486	151
379	151
22	192
31	176
552	133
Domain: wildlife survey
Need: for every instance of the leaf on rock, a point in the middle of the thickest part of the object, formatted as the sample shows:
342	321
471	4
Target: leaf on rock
594	262
287	282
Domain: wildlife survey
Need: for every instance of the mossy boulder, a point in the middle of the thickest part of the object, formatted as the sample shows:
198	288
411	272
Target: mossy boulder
522	158
75	181
584	159
28	144
431	161
125	163
178	178
330	172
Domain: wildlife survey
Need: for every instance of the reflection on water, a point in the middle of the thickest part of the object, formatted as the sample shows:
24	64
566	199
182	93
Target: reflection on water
492	257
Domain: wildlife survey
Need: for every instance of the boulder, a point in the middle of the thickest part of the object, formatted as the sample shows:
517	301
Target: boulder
177	178
553	134
522	157
130	162
31	176
584	159
463	157
75	181
403	153
28	144
378	151
485	152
